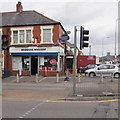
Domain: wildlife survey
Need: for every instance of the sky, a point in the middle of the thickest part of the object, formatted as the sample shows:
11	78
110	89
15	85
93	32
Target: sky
100	17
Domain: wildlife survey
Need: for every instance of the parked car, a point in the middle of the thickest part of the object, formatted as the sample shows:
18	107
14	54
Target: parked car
104	69
83	69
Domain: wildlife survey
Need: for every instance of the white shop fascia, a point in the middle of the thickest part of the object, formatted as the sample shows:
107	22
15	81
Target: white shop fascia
36	51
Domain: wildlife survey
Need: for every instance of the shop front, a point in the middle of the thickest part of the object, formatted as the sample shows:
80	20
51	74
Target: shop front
45	61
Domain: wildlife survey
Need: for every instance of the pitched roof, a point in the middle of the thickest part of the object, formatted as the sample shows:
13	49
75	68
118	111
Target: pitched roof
24	18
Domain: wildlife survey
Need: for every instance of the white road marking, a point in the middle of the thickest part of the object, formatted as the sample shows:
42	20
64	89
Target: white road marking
29	111
42	79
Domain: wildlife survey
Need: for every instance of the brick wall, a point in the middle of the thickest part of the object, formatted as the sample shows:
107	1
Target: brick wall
57	32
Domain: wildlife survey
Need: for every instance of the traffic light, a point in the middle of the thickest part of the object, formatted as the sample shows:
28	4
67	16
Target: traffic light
83	38
5	43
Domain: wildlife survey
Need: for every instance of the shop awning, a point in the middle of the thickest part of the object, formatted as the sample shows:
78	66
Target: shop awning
35	54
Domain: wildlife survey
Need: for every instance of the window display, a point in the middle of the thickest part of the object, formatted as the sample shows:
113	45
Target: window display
25	63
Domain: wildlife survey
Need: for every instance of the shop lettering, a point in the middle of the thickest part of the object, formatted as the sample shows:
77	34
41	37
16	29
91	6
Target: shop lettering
39	49
42	49
26	49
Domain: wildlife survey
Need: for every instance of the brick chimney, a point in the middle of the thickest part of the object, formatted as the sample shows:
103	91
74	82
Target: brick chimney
19	7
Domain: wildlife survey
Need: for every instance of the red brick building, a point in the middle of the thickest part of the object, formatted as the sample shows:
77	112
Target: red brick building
34	42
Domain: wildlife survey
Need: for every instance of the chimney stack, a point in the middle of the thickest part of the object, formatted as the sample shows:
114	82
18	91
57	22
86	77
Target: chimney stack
19	7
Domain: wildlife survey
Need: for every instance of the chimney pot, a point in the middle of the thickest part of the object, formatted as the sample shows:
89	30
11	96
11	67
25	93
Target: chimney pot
19	7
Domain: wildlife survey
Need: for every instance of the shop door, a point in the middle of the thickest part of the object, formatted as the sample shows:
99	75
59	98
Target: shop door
34	65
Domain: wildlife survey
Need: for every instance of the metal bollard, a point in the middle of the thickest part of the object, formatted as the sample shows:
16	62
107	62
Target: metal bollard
18	78
101	78
37	78
79	79
57	77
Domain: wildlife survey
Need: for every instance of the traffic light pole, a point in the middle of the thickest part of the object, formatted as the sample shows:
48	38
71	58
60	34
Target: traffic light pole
75	61
1	76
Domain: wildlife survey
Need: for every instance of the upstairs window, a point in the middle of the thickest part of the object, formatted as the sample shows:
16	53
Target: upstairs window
21	35
46	34
28	36
15	36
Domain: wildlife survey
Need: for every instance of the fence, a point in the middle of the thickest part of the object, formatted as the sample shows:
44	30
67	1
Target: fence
97	86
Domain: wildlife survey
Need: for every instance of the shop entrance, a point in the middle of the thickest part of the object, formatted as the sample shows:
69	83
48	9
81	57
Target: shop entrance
34	65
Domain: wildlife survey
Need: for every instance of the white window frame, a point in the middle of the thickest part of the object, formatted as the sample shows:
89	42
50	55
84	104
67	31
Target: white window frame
18	29
46	27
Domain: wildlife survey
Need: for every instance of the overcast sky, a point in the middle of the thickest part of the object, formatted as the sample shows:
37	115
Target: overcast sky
97	16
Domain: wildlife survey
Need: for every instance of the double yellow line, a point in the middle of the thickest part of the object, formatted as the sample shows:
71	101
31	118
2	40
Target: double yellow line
68	101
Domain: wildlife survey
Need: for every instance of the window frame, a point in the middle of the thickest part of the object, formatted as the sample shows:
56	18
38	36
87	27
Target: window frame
20	29
43	28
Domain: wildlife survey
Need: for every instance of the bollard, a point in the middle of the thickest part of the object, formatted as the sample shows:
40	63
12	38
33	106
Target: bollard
18	78
46	74
20	72
79	79
101	78
57	77
37	78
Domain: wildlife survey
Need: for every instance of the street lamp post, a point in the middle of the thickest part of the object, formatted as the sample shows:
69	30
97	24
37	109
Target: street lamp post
116	36
103	47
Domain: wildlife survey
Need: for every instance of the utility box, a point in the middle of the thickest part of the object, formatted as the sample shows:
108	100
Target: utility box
84	60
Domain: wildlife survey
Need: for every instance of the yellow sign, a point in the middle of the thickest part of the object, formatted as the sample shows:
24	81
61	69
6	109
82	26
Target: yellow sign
1	55
0	73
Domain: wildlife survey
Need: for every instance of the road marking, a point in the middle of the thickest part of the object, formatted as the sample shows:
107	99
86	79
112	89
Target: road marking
29	111
42	79
114	100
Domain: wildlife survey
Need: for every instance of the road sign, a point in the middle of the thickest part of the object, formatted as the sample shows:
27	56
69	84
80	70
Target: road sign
53	62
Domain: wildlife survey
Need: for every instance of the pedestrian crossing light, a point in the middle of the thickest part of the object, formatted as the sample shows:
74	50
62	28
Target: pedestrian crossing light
5	44
83	38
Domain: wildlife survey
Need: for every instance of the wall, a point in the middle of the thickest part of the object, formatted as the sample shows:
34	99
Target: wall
57	30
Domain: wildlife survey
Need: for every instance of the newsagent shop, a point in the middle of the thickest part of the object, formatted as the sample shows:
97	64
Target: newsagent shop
34	43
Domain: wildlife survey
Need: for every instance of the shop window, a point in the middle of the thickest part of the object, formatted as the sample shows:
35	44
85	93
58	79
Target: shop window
47	64
16	63
25	63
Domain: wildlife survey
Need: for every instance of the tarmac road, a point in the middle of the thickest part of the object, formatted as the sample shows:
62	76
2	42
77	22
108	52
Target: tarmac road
37	109
28	99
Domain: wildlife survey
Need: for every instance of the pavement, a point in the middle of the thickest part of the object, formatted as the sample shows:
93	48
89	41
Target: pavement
48	88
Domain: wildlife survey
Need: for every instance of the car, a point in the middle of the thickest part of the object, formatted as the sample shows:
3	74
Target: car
83	69
104	69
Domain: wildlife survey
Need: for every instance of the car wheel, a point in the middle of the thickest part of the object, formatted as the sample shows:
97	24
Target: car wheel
92	74
117	75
